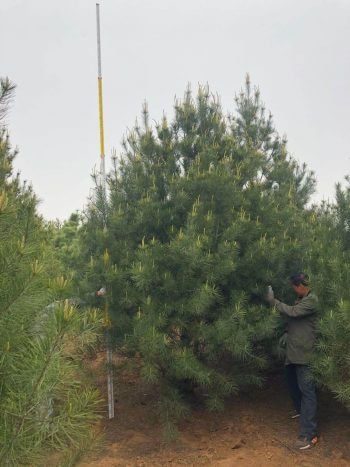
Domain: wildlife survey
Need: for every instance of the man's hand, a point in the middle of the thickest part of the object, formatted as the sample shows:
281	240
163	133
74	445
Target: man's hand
101	292
283	340
270	296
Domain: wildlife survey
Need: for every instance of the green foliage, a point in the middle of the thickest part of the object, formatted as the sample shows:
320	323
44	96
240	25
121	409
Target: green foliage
202	214
66	241
330	263
342	213
66	255
44	404
332	362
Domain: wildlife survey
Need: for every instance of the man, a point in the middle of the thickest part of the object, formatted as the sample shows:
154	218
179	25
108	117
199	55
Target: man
299	340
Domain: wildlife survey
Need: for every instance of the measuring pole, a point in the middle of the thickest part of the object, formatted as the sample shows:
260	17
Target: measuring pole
103	187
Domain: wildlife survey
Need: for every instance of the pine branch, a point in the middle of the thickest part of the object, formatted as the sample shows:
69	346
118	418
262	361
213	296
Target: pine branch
19	425
6	95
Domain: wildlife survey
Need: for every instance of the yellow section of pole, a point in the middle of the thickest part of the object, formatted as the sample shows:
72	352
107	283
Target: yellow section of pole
100	111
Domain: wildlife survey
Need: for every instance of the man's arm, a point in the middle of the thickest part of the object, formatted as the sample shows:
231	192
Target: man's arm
304	308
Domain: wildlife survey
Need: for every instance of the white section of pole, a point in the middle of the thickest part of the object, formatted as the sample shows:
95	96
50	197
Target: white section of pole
103	177
99	67
110	377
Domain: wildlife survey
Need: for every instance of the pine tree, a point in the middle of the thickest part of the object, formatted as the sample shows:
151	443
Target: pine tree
67	259
45	404
203	213
330	263
342	213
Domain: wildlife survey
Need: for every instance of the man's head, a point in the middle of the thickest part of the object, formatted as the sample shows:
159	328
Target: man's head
300	283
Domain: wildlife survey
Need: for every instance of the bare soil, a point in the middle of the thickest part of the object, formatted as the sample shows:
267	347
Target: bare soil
254	430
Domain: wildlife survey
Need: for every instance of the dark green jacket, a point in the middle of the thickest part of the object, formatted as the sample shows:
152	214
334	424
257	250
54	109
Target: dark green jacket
301	328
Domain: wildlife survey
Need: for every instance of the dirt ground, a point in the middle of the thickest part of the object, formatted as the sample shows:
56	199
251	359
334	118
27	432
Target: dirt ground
254	430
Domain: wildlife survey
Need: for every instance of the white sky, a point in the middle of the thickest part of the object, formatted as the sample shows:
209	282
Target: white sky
296	51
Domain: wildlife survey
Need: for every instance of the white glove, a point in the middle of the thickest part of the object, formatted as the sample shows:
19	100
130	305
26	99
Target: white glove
101	292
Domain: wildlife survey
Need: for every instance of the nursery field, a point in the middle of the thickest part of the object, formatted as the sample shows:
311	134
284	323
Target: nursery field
254	430
206	265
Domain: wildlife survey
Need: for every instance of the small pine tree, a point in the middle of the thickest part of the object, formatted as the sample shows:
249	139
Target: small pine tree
67	259
342	213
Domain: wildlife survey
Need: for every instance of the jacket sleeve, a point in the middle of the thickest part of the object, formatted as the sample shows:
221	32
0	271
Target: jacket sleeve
304	308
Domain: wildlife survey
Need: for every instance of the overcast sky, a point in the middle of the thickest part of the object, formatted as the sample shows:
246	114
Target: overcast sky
296	51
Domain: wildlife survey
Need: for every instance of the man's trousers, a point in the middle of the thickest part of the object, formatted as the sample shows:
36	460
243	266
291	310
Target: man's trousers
303	393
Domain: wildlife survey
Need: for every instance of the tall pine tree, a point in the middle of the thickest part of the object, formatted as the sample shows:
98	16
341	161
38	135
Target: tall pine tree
203	213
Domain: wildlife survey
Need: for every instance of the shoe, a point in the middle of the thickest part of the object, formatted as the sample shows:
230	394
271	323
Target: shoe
304	443
297	415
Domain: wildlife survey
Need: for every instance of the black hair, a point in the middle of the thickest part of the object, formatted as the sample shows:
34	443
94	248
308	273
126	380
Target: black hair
300	278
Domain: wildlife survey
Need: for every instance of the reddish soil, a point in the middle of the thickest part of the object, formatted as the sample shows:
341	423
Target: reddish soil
255	430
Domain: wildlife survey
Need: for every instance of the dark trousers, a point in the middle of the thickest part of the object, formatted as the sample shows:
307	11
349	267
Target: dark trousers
303	394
